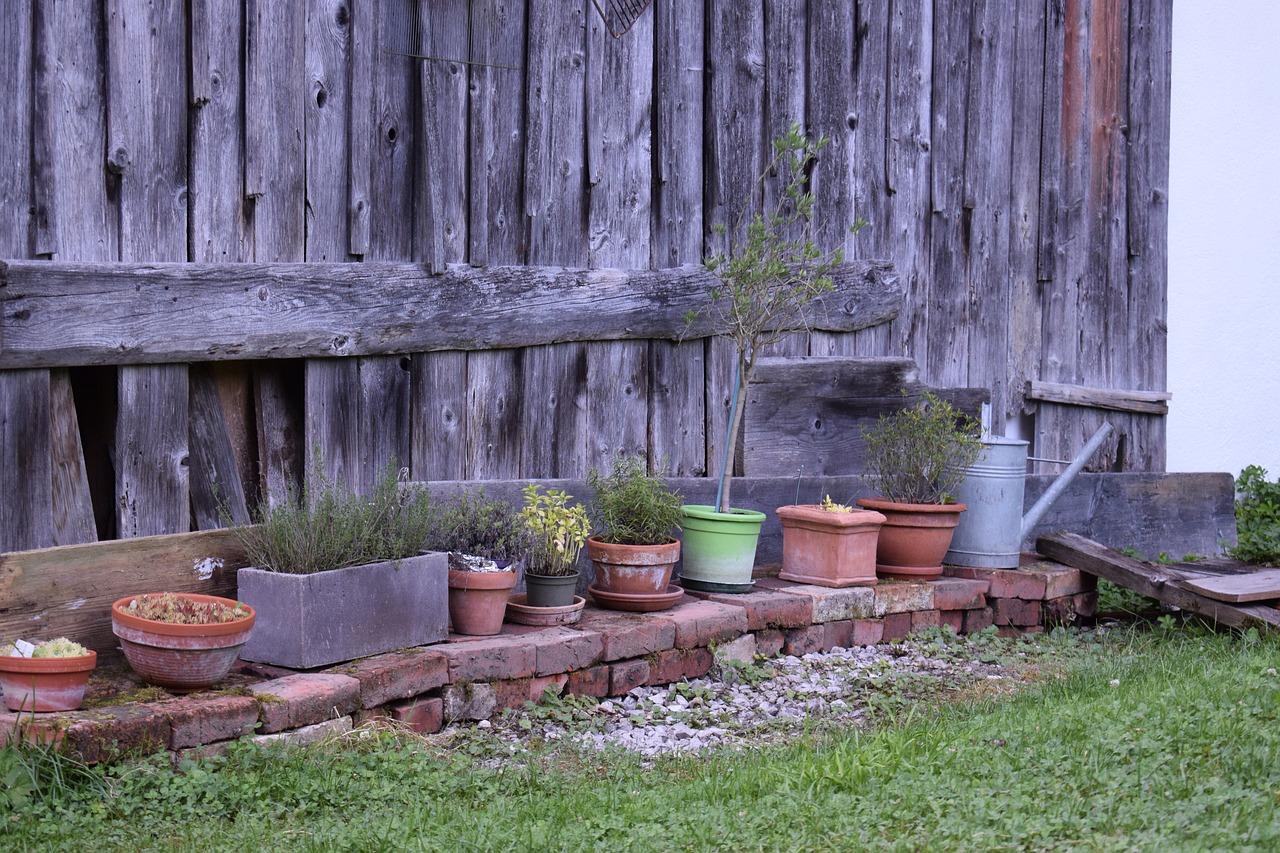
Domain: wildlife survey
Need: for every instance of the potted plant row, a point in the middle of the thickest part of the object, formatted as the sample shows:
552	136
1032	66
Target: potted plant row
45	676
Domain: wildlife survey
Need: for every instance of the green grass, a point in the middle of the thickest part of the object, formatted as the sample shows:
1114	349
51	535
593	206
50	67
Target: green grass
1161	740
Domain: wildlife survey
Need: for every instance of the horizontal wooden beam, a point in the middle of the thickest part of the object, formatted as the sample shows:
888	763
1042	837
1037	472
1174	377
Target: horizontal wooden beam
1141	402
83	314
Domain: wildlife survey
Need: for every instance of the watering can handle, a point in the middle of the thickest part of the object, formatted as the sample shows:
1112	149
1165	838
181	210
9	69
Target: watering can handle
1033	516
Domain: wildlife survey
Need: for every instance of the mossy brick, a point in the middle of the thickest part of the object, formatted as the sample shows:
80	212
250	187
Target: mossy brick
396	675
978	619
560	650
828	604
489	658
112	733
803	641
306	735
677	664
838	635
766	608
592	681
902	597
196	720
515	692
306	699
897	626
424	715
1026	584
868	632
626	675
470	701
741	650
32	728
959	593
1017	612
701	623
954	619
627	635
769	642
922	620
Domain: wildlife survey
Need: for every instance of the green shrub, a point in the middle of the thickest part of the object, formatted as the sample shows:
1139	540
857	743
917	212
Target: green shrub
918	455
1257	518
632	506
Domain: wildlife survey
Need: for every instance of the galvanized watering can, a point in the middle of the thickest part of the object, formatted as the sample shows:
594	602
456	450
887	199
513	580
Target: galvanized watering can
990	534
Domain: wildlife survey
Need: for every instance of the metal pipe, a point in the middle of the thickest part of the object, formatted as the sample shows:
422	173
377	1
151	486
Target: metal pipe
1059	485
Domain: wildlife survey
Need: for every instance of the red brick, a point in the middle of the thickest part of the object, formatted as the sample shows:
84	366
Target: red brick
305	699
953	618
676	664
423	715
867	632
896	626
514	692
827	604
1069	609
398	675
769	642
1062	580
701	623
959	593
924	619
593	681
1007	583
28	728
194	721
109	734
766	608
559	650
1016	611
803	641
838	635
903	597
489	658
977	619
625	676
627	635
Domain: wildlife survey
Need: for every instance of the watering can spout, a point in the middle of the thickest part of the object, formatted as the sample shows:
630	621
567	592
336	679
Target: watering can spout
1055	490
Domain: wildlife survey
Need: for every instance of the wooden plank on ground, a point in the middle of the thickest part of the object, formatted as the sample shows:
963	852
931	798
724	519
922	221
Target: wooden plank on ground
1165	584
68	591
1261	585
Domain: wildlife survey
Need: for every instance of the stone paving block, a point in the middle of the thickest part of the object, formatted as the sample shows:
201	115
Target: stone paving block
313	733
424	715
468	701
195	720
829	605
625	676
766	608
488	658
838	635
396	675
1005	583
742	650
769	642
592	681
922	620
678	664
1017	611
803	641
978	619
868	632
700	623
897	626
902	597
558	650
111	733
959	593
627	635
954	619
306	699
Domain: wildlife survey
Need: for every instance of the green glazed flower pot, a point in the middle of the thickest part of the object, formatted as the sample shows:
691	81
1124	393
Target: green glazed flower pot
719	549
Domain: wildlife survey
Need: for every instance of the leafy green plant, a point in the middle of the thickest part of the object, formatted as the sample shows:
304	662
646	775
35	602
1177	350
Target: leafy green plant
557	531
919	454
326	526
1257	518
770	276
472	523
59	647
632	506
178	609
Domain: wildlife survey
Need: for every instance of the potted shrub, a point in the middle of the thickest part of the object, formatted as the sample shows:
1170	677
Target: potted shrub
765	283
46	676
829	544
181	641
486	541
916	458
557	532
635	514
336	576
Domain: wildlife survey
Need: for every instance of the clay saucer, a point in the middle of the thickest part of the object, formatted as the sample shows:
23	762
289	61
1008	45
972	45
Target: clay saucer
522	614
637	603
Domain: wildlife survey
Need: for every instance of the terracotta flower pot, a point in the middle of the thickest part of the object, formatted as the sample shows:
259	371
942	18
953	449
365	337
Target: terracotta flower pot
633	569
180	658
478	601
914	537
835	549
45	684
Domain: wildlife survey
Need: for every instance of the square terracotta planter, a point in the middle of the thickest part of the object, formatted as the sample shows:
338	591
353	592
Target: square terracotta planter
306	621
835	549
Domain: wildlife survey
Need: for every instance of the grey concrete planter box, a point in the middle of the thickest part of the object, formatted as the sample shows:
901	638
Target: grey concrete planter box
306	621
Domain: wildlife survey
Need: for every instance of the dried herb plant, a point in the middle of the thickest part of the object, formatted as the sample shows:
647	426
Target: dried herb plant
632	506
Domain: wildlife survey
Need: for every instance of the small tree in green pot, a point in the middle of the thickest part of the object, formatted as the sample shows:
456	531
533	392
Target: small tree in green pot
916	458
766	284
636	515
557	532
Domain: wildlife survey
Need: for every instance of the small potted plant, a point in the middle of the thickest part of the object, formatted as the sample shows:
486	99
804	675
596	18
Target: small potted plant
46	676
829	544
634	550
181	641
336	576
916	458
557	532
486	541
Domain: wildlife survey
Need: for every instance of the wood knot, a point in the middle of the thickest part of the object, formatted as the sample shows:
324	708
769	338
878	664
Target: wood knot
118	160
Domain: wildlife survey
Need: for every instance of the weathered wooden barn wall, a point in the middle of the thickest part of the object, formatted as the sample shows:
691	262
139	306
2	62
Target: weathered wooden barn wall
1011	158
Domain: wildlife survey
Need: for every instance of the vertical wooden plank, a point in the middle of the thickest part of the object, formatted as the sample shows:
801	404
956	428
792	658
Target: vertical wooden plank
278	409
442	137
438	429
494	414
383	401
147	152
618	379
217	491
677	383
73	515
555	411
362	41
383	137
16	69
